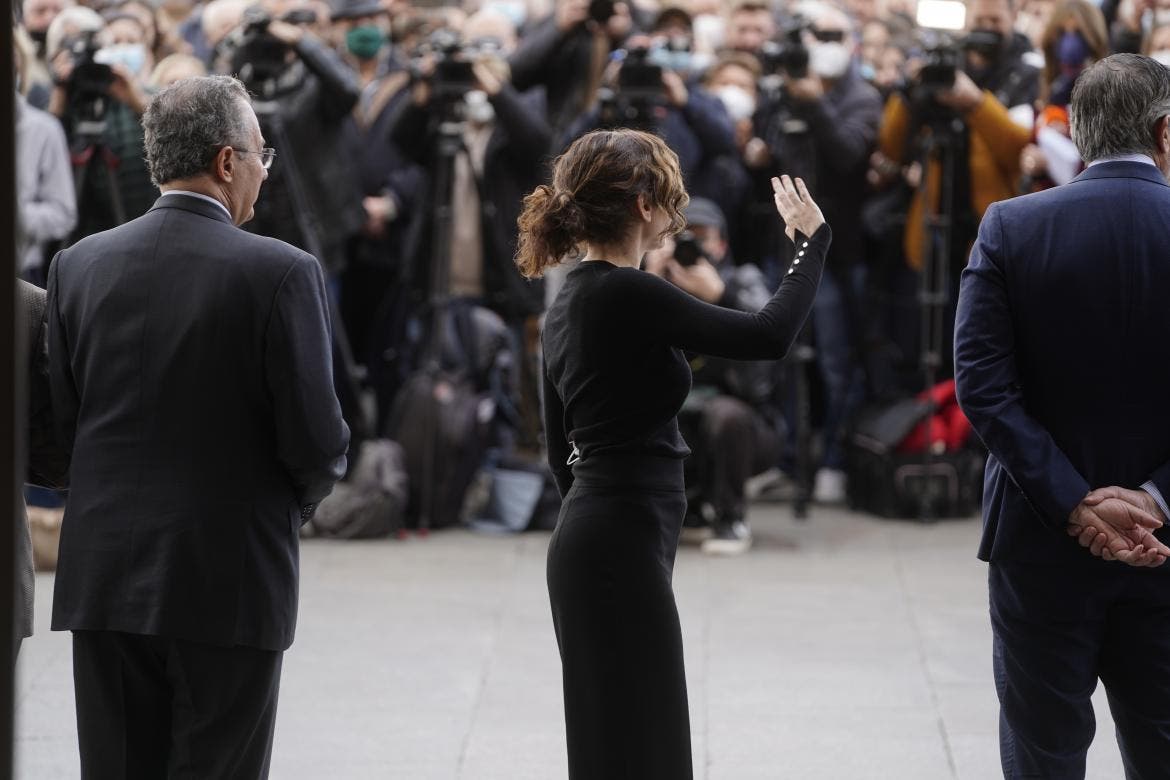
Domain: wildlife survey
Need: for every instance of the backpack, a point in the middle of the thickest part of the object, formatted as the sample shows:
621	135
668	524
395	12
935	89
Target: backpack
371	501
447	415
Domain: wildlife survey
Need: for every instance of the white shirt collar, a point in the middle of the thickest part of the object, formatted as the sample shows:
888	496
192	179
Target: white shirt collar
1138	158
201	196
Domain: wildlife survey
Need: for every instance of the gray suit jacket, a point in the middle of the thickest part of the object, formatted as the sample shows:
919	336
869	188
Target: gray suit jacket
47	463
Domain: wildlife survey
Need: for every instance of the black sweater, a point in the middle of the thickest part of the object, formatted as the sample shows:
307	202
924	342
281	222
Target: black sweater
615	376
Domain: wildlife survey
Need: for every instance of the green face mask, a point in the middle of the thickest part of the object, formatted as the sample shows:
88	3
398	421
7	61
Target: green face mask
364	42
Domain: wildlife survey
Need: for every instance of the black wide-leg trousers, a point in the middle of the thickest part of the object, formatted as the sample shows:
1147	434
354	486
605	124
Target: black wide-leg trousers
610	563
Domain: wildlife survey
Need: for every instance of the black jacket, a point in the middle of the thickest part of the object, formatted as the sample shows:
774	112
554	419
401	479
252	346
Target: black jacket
192	384
559	62
832	155
307	119
514	164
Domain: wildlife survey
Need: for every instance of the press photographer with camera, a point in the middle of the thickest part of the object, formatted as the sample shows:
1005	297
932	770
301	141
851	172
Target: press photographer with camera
822	123
500	138
567	54
643	94
985	85
304	94
99	96
729	417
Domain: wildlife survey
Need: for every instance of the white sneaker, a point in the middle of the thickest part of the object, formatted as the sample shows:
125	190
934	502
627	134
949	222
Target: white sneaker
829	487
729	539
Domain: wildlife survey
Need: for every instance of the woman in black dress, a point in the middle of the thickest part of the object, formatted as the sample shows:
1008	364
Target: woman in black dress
615	379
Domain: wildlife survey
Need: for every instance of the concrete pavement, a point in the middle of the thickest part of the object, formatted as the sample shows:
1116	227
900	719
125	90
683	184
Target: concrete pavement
840	647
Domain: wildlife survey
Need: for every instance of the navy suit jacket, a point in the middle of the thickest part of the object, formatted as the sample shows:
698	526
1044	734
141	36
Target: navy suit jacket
192	382
1062	354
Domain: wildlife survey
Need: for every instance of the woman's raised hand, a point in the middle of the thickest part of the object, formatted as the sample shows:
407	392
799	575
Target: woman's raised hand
796	207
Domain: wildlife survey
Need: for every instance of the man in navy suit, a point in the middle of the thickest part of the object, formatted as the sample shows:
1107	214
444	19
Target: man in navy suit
192	383
1062	358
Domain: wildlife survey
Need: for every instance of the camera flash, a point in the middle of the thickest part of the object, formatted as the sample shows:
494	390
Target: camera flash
942	14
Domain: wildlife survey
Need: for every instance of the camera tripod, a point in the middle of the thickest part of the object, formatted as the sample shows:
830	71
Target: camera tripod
347	377
945	147
89	152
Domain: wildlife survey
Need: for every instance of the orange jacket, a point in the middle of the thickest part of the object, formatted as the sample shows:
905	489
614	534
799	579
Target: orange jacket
994	157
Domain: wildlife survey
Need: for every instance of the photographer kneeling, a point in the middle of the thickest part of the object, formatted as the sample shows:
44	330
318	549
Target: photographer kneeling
734	430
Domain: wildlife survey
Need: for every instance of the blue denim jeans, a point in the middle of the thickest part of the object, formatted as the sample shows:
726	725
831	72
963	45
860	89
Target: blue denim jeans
836	357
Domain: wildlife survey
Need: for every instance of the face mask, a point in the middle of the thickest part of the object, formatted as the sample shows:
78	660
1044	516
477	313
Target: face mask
131	55
477	108
39	37
364	42
829	60
867	72
1162	56
1161	17
1072	51
515	10
738	101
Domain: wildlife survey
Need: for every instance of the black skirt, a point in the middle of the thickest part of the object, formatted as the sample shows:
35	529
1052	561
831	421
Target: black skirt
610	563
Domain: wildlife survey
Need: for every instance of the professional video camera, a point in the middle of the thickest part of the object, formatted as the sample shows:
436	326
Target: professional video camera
453	77
639	97
253	53
687	249
787	57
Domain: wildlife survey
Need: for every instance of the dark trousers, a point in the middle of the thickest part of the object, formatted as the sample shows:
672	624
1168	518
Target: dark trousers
610	563
1056	632
733	442
152	707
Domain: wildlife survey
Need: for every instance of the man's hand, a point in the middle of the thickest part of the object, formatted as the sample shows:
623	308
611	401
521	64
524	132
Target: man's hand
1032	161
1114	529
126	90
806	90
964	96
676	88
288	34
756	153
489	82
571	13
700	280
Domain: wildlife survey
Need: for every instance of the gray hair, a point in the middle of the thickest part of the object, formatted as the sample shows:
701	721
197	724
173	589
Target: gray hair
1115	105
188	123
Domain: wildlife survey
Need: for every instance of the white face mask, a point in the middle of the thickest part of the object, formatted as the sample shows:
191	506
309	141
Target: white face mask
478	110
829	60
738	101
1162	56
131	55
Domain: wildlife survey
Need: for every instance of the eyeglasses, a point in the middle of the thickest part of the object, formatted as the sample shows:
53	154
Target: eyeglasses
267	154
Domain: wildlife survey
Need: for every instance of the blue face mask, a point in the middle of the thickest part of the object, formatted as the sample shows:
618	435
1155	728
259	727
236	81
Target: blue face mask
1071	51
131	55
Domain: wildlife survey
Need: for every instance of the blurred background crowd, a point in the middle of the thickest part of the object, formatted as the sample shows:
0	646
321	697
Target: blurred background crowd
406	134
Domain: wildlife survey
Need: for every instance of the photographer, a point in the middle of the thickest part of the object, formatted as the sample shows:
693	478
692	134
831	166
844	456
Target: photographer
992	96
304	96
733	429
822	124
645	95
504	139
567	54
99	97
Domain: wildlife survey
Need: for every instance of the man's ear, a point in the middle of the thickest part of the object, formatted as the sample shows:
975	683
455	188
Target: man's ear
225	164
1162	134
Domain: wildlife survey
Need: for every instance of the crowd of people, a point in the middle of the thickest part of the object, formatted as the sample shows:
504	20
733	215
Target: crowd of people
406	136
